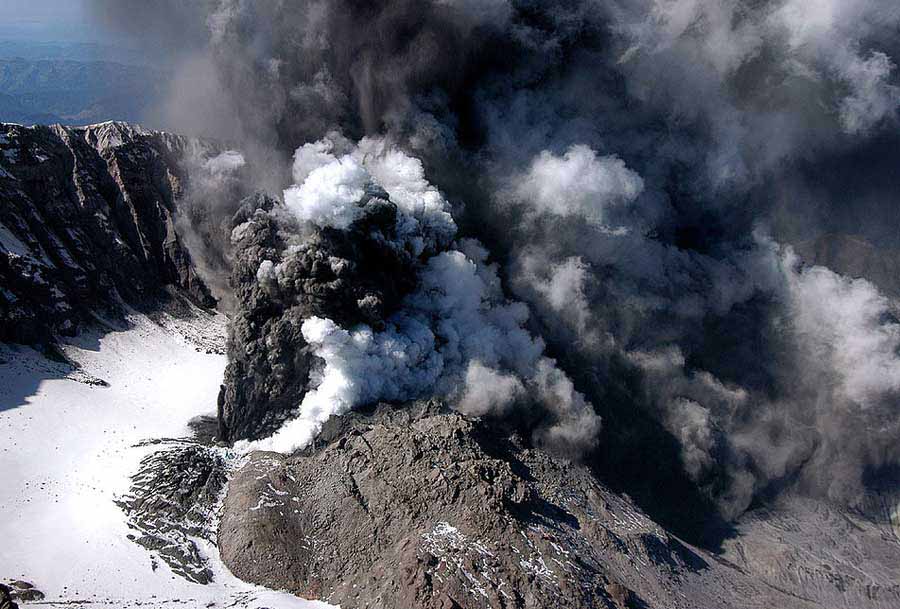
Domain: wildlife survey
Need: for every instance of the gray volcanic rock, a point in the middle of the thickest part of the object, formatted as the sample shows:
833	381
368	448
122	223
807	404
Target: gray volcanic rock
350	276
172	502
408	510
18	590
832	556
6	600
418	506
422	507
854	256
87	220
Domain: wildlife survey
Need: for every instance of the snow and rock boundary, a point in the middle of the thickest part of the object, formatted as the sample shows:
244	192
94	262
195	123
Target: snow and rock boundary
69	449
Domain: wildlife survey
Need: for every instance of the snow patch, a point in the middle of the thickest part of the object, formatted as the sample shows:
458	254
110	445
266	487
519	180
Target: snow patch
455	552
67	451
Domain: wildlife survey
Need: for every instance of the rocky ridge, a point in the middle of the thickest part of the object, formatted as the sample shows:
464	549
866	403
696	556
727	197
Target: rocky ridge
87	225
420	506
416	507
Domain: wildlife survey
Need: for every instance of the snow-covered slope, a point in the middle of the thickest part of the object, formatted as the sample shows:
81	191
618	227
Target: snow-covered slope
68	445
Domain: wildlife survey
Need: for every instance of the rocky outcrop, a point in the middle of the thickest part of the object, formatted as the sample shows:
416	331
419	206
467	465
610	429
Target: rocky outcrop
418	506
407	509
351	276
18	590
87	222
6	599
172	504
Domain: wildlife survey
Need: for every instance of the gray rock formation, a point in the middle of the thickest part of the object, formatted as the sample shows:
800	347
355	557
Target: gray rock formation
417	506
6	599
18	590
407	509
87	221
854	256
831	556
350	276
172	503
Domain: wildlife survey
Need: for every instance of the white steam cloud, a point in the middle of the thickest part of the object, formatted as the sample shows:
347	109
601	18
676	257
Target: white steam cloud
578	183
225	163
489	391
330	188
560	290
455	336
329	195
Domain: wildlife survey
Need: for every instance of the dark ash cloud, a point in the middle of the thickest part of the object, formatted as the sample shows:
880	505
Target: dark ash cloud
641	171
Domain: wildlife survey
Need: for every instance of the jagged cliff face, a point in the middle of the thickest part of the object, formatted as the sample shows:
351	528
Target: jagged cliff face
87	223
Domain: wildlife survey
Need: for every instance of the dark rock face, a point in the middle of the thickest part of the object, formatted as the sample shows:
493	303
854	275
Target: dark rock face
86	222
18	590
350	276
422	507
172	502
6	600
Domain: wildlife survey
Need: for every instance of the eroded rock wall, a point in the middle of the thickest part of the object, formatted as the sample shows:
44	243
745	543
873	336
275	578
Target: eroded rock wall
87	222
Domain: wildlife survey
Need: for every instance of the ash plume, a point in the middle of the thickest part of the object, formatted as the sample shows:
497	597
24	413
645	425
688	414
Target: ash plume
642	173
453	331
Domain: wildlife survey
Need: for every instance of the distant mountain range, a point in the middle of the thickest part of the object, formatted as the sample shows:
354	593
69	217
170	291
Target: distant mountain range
74	83
75	92
73	51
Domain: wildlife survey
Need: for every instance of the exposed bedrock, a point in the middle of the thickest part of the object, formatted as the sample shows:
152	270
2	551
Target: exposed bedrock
411	508
87	221
419	506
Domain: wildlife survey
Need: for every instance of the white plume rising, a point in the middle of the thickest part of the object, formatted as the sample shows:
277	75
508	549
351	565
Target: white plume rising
456	336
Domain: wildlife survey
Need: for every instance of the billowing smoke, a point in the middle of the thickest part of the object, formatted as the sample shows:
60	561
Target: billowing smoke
578	183
218	180
454	336
638	170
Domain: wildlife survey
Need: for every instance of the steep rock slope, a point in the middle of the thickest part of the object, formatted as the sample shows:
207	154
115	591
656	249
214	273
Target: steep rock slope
87	221
419	506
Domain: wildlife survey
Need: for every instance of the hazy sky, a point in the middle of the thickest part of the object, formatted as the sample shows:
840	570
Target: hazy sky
40	10
44	20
